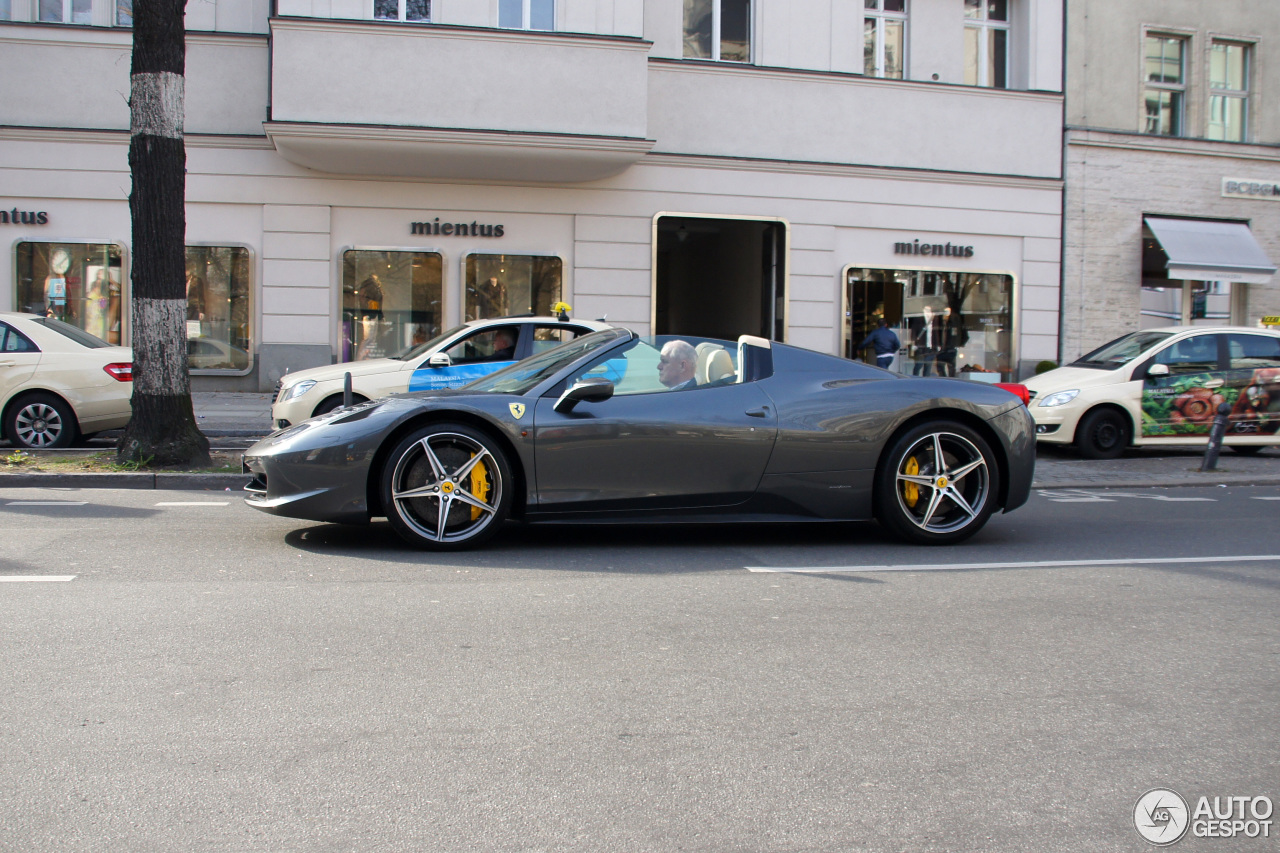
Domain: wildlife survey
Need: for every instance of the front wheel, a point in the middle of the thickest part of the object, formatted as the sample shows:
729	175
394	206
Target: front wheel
40	421
446	487
1102	434
938	484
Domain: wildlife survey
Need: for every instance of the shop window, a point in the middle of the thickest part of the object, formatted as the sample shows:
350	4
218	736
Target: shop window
719	30
390	301
218	288
1166	85
79	283
527	14
402	10
504	285
1228	91
986	43
884	26
947	323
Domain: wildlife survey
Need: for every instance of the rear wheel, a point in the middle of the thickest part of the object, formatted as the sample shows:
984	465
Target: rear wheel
40	421
1102	434
1246	449
938	484
446	487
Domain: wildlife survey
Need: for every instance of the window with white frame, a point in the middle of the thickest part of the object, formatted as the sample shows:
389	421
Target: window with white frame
527	14
986	43
1165	75
1229	91
402	10
719	30
65	11
884	26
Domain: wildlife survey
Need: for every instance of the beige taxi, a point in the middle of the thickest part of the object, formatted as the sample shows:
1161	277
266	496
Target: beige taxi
59	383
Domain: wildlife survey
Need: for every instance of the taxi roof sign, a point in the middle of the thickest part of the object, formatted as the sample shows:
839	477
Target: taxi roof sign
1271	321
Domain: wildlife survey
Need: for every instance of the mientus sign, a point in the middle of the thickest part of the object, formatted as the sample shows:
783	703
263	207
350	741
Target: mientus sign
23	217
949	250
455	229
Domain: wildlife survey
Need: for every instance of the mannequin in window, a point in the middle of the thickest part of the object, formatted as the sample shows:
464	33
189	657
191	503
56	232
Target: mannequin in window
55	285
97	302
926	335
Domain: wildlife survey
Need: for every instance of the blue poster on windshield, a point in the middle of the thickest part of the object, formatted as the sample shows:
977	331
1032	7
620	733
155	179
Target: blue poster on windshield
455	376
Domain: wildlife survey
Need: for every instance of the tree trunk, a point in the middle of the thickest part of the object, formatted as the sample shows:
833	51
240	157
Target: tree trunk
163	428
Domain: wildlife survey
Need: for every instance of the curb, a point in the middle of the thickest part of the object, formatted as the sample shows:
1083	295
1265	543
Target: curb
236	482
141	480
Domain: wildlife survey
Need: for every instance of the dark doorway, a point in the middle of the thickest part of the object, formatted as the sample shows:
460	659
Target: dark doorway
720	278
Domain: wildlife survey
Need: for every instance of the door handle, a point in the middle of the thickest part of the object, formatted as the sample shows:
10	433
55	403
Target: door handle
762	412
1213	383
6	363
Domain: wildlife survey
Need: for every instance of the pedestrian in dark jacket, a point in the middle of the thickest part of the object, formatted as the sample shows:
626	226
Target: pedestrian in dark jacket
884	342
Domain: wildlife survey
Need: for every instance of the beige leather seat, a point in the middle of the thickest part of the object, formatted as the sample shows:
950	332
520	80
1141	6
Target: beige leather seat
713	363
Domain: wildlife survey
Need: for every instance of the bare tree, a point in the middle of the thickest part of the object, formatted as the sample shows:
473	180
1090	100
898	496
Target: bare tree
163	429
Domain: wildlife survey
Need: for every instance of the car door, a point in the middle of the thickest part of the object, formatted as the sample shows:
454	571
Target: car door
476	354
1253	384
18	360
650	448
1183	400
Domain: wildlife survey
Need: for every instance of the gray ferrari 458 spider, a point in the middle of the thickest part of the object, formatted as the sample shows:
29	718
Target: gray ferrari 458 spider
619	428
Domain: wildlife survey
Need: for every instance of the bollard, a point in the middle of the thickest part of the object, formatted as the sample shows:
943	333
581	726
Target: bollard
1216	432
346	390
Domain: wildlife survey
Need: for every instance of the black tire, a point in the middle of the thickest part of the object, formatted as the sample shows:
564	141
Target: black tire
328	404
430	485
938	483
1247	449
1102	434
40	422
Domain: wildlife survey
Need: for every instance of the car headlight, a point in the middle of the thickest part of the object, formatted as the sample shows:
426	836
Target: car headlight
301	388
1059	398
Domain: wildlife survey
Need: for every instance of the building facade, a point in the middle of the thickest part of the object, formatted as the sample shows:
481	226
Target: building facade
367	173
1173	167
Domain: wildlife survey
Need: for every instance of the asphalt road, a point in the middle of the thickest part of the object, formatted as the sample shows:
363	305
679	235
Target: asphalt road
183	673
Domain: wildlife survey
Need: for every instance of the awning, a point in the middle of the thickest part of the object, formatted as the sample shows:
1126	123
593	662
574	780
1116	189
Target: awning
1208	250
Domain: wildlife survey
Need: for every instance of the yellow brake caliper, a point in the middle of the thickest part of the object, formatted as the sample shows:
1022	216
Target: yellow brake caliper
910	491
479	487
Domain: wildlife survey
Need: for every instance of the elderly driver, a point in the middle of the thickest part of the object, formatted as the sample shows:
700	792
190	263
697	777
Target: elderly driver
676	365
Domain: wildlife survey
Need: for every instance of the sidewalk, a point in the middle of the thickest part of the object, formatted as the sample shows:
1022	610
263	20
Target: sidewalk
248	416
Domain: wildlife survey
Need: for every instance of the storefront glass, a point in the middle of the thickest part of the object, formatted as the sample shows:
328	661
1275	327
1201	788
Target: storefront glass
79	283
218	308
390	301
947	323
502	285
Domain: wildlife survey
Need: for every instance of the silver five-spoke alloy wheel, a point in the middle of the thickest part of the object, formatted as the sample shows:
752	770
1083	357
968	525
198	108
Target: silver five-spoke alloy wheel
446	487
939	484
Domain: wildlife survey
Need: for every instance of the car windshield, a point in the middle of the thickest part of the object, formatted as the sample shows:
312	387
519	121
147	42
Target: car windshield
415	350
80	336
1121	351
523	375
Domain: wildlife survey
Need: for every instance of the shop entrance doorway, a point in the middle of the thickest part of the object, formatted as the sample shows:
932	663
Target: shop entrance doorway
947	323
720	278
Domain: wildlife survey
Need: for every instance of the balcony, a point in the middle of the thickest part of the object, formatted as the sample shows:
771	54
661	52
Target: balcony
431	101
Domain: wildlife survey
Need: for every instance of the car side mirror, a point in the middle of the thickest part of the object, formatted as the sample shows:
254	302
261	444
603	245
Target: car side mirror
586	391
440	359
1158	370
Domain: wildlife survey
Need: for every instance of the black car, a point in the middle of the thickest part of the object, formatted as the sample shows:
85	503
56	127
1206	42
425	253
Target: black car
600	428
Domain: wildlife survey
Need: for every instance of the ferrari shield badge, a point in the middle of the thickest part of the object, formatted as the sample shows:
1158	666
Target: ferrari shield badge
517	410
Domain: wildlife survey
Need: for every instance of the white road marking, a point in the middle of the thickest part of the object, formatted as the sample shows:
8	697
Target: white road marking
45	503
1268	498
1076	496
36	578
194	503
1037	564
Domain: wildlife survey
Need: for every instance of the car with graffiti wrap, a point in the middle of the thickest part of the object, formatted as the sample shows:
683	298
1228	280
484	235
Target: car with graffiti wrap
1163	387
